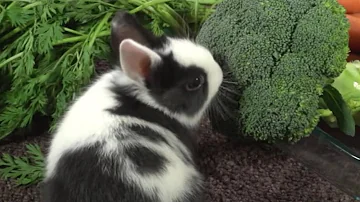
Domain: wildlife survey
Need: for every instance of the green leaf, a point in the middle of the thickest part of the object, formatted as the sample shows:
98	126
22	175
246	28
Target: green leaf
25	170
341	111
48	34
2	13
18	16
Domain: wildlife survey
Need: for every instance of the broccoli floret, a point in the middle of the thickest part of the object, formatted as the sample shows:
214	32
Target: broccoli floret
281	53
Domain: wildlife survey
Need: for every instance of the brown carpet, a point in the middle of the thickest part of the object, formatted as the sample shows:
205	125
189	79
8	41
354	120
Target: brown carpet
235	172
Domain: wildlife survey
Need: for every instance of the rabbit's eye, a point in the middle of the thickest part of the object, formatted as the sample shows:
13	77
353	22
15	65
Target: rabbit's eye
195	84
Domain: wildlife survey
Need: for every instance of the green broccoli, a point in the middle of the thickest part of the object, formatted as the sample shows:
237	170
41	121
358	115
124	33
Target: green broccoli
281	53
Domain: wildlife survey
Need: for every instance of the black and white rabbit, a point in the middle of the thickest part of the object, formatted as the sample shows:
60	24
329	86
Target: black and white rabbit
128	137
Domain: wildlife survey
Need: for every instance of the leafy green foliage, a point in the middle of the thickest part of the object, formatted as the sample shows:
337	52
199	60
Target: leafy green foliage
26	170
281	53
48	49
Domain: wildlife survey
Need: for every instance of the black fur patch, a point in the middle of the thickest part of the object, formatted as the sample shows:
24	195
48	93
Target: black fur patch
81	177
148	133
167	85
130	106
154	136
128	26
146	160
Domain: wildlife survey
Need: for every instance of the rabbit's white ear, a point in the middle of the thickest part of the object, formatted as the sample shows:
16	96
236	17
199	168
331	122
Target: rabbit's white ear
136	60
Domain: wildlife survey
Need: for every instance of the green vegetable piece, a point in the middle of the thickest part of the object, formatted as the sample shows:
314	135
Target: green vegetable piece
348	84
342	112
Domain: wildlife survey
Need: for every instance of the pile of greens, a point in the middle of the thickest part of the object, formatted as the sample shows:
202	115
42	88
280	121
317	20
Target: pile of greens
48	50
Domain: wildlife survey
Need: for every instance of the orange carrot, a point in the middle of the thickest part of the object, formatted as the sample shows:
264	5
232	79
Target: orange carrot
356	15
351	6
354	33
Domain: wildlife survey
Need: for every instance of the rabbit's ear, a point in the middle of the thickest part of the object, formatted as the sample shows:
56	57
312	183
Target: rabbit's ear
125	26
136	60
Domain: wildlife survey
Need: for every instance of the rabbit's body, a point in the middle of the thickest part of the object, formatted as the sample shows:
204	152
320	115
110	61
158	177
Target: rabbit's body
128	137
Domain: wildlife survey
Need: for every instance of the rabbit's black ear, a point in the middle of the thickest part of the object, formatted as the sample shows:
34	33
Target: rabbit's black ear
125	26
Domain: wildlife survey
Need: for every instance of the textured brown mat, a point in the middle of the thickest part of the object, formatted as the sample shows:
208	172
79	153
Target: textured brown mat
235	172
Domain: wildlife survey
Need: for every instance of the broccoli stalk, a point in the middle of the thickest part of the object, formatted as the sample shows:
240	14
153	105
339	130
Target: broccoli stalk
281	53
348	85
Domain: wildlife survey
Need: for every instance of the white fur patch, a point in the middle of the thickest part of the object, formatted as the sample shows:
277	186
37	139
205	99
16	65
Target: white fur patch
85	122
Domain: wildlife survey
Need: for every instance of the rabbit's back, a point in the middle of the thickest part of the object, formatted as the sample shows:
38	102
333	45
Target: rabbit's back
136	163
